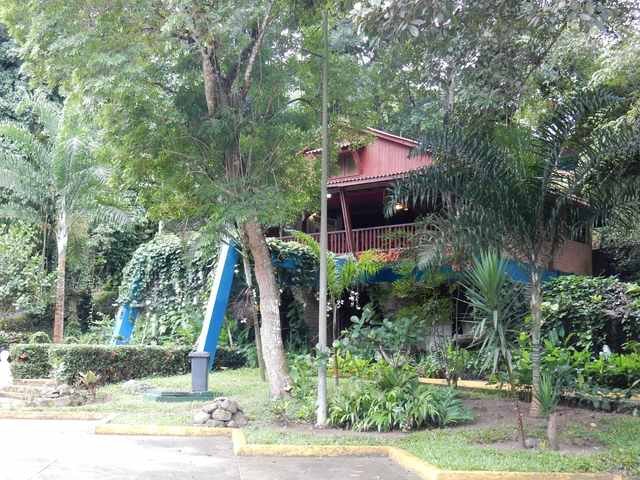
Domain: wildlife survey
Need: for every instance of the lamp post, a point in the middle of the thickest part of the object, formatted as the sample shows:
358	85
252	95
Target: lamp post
321	416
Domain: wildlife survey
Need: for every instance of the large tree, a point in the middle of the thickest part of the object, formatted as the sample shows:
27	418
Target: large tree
479	57
52	179
525	191
200	110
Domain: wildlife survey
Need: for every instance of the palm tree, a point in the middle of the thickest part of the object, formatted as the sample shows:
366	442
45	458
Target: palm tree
342	274
524	191
53	180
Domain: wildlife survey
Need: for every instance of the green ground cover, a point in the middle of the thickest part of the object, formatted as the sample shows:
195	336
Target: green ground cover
471	447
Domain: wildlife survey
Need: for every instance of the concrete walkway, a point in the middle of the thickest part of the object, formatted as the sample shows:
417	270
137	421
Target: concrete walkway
69	450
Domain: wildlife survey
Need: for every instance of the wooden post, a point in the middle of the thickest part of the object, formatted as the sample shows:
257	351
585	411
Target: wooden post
346	217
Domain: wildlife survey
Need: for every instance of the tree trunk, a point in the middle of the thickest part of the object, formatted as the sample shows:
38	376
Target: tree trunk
62	236
270	332
552	431
536	325
254	315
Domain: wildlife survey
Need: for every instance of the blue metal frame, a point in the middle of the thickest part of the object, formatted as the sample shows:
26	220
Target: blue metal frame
218	301
123	328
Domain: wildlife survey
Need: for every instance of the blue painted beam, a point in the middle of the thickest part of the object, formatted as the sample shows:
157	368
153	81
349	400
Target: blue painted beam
218	300
123	328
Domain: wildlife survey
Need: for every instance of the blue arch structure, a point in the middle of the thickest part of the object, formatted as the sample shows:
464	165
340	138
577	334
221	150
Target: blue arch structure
216	307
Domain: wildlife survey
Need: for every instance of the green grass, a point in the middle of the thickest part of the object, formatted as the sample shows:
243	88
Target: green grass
465	448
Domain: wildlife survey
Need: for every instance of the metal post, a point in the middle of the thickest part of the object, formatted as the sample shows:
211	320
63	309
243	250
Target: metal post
321	417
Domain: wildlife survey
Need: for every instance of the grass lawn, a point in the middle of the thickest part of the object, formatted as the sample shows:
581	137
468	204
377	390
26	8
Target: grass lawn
611	442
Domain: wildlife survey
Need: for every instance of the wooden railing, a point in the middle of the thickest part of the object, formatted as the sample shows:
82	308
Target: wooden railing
387	237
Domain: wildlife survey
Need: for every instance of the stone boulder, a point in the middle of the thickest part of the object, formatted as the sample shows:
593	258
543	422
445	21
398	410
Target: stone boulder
221	412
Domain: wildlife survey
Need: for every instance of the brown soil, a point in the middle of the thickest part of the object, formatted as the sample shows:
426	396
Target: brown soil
496	412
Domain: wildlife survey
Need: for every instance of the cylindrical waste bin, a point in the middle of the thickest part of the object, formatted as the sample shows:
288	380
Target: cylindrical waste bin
199	371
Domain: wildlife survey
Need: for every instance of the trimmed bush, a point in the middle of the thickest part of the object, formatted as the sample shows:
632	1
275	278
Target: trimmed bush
113	364
30	361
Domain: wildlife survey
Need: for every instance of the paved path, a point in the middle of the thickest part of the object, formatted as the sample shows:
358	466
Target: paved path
68	450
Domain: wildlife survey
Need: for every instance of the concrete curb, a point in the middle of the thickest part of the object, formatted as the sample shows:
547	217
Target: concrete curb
401	457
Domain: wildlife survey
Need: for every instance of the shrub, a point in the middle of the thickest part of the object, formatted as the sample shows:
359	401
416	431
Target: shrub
8	338
614	371
39	337
30	361
396	400
230	358
597	311
112	364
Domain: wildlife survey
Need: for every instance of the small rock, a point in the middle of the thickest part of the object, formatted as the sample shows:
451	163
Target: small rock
215	423
221	415
210	407
238	419
200	418
229	405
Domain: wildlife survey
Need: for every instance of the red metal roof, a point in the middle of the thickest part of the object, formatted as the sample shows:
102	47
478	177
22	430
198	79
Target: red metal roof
387	158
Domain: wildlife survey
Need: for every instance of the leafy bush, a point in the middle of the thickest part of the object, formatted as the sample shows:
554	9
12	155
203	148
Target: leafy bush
615	371
30	361
395	400
598	311
393	340
230	358
8	338
112	364
24	285
40	337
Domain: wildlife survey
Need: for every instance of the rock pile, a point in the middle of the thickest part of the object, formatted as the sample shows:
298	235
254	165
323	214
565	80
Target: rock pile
61	395
222	412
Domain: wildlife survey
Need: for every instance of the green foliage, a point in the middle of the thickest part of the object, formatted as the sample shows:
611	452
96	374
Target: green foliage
25	286
111	363
89	380
596	311
496	309
9	338
40	337
548	395
393	340
428	299
296	263
395	401
30	361
616	371
115	364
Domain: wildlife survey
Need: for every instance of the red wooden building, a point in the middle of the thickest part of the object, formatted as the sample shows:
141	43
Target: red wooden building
357	199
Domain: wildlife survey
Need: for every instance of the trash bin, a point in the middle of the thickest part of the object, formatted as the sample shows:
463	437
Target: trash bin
199	371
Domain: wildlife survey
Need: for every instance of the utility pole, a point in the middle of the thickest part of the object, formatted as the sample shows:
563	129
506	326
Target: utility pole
321	417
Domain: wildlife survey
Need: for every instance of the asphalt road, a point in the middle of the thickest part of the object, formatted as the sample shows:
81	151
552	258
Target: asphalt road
69	450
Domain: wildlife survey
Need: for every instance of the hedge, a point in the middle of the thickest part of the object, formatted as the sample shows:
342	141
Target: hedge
113	364
30	360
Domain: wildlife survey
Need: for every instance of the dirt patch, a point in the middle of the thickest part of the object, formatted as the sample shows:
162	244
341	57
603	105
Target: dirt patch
496	426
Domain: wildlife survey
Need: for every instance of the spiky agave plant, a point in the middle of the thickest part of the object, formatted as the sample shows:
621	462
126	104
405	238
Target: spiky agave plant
494	301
